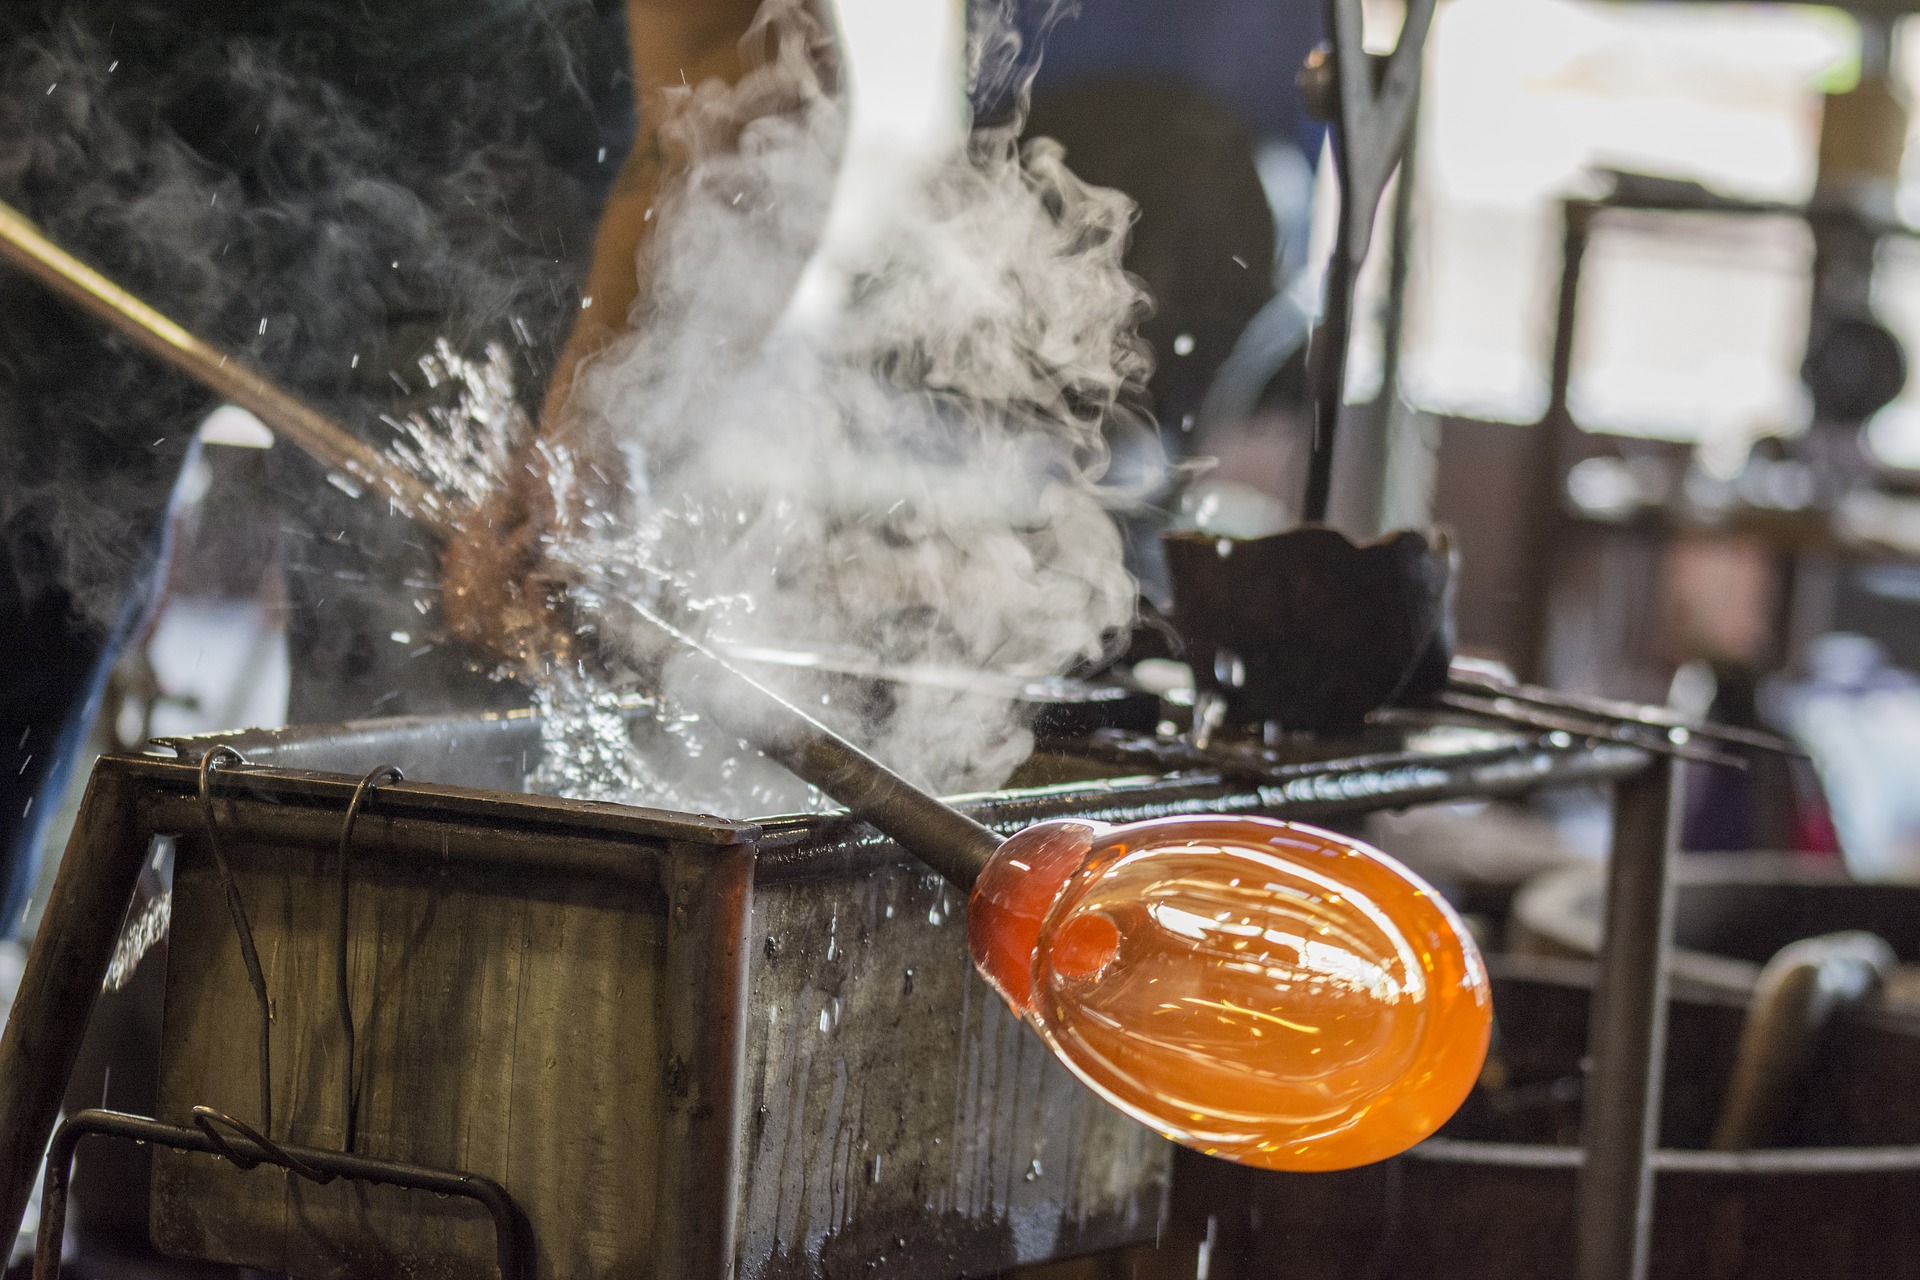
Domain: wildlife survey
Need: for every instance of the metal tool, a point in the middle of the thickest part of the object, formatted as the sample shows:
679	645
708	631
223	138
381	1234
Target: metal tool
1471	681
935	832
28	248
1628	1032
1513	711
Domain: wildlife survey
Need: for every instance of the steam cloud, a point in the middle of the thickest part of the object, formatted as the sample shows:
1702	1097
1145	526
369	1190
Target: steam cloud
299	189
919	484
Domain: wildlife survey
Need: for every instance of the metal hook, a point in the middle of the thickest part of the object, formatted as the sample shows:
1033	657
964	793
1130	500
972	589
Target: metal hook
249	955
361	794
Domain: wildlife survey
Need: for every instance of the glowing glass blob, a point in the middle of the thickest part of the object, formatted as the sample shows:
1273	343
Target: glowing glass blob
1262	991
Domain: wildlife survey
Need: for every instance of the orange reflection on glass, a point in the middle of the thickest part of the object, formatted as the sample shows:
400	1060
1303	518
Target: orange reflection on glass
1263	991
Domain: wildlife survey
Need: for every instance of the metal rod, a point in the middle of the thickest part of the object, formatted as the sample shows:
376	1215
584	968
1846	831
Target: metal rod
510	1245
1632	713
1513	711
935	832
1614	1199
302	425
1327	370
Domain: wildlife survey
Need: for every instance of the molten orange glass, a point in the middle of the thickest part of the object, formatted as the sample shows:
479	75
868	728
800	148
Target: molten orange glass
1262	991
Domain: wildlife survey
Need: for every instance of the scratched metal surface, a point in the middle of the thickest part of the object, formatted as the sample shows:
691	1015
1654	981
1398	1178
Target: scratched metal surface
898	1116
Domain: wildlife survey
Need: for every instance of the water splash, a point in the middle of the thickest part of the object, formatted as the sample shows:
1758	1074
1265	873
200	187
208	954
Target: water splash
143	931
919	481
465	448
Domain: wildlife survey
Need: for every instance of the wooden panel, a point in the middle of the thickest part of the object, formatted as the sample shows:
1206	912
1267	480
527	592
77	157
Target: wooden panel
899	1120
506	1027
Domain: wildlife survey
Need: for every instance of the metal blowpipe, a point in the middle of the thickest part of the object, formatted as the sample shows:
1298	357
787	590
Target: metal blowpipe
28	248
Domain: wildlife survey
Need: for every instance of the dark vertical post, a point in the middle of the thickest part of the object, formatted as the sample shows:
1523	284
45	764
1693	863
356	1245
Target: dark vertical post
63	975
1629	1030
1541	501
1327	370
1400	246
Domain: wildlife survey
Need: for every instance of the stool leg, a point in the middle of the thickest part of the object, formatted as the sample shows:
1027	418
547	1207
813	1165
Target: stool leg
64	971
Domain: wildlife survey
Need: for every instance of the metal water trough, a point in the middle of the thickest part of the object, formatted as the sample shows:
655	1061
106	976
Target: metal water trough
685	1045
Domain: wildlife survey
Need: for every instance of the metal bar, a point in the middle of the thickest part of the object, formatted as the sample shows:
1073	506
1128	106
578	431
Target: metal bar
1327	371
1533	716
1614	1200
1790	1162
63	976
333	790
929	828
710	912
510	1247
28	248
1541	498
1632	713
1334	789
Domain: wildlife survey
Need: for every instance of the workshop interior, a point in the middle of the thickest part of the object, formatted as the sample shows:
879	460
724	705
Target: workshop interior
937	639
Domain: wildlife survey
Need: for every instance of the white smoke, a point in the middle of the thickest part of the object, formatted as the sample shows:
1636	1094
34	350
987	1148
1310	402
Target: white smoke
918	483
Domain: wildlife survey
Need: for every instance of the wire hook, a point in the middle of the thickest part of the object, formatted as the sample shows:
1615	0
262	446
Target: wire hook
249	954
361	795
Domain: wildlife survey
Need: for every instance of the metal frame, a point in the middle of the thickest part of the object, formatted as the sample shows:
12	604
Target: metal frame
132	799
248	1150
1629	1031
